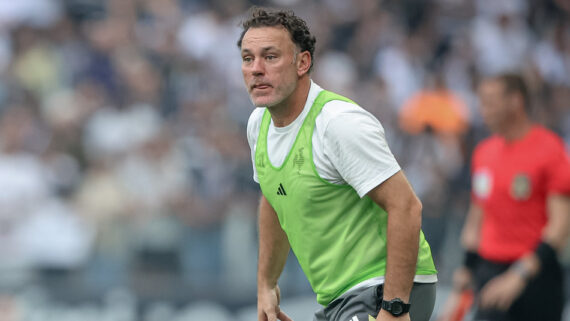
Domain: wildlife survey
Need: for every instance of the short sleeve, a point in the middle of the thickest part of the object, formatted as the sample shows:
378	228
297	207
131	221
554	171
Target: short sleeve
253	125
356	145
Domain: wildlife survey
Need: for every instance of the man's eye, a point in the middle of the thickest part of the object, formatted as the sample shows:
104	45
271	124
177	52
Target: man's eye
247	59
270	57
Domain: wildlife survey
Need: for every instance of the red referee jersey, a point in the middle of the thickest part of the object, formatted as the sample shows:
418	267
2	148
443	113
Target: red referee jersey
511	182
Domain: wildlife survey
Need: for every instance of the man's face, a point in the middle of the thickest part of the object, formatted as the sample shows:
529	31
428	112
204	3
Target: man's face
495	104
269	65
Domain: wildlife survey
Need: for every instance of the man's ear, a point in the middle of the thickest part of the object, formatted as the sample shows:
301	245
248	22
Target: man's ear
303	63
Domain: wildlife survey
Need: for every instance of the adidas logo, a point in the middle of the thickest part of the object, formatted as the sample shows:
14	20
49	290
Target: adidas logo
354	318
281	190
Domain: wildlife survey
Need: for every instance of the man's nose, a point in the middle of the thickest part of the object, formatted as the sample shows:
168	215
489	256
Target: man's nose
258	67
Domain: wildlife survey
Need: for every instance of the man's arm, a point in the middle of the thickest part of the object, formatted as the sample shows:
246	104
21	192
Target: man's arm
404	209
555	232
470	236
273	251
471	232
501	291
462	277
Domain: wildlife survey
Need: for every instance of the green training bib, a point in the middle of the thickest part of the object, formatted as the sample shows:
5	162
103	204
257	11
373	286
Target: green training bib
338	237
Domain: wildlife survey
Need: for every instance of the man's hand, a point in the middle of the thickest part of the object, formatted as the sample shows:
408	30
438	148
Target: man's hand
502	291
268	305
387	316
462	279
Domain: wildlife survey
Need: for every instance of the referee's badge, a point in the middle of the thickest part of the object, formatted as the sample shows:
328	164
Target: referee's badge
482	183
521	187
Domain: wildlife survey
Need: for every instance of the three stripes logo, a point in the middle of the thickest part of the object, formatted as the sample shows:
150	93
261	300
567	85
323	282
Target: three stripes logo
281	190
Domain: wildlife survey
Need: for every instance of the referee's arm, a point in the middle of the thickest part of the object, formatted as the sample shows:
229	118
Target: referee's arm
396	196
470	237
554	234
502	290
471	232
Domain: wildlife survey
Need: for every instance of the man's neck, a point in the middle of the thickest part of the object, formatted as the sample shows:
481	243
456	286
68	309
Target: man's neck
286	112
517	129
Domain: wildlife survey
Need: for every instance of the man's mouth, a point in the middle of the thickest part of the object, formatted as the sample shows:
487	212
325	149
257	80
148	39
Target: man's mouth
260	86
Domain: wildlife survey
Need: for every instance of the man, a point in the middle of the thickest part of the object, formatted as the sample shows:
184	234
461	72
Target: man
331	189
520	211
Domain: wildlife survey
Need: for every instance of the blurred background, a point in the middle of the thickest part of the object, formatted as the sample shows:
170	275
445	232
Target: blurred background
126	188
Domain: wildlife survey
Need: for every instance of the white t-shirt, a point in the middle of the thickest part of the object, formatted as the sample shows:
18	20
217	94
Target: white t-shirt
349	145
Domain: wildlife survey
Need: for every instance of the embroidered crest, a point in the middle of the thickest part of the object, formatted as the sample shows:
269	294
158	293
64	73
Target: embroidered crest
521	187
260	162
299	159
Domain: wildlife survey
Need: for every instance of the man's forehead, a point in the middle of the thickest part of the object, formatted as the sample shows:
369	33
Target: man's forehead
266	37
492	85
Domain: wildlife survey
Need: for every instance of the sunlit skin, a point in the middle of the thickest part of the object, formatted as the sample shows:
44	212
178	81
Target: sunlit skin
275	72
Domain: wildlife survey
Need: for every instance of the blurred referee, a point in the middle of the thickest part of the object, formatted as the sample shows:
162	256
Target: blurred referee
519	217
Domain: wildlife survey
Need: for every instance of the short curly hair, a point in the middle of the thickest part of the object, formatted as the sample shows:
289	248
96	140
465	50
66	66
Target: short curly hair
296	26
515	84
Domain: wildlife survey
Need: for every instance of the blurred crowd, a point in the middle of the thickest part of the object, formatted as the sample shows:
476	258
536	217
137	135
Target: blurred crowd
123	157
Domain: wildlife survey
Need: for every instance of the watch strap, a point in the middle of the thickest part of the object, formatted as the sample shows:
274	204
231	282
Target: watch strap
390	306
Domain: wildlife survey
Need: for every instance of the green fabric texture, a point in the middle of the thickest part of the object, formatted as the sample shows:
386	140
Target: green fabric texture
338	237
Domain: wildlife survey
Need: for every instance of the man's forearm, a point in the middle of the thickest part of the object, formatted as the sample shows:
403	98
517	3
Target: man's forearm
556	231
396	196
554	235
403	234
472	229
273	246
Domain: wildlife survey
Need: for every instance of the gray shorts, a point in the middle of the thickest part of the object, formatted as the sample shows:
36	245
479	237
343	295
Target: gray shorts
359	304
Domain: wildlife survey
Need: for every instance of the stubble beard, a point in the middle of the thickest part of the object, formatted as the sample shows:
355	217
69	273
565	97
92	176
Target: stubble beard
279	95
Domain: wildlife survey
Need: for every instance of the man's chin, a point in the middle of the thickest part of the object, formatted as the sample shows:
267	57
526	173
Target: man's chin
262	101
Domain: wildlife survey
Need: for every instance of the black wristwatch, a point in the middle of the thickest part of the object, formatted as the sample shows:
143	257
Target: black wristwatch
396	307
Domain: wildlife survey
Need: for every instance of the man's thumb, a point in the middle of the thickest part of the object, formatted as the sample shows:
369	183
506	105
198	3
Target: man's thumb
271	316
283	317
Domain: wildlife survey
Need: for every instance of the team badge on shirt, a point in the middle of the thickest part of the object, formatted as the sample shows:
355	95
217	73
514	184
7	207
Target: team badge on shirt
482	183
521	187
260	163
299	159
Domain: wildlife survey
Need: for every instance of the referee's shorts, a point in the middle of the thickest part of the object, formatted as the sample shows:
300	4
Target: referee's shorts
542	299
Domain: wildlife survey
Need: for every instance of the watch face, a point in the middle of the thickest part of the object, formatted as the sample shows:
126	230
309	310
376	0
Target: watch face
397	308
